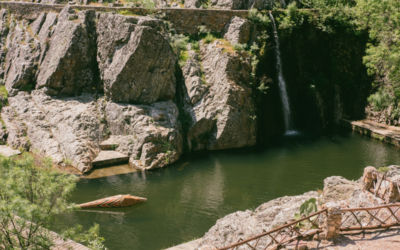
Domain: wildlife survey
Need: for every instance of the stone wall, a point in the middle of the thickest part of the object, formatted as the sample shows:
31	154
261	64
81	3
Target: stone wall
184	20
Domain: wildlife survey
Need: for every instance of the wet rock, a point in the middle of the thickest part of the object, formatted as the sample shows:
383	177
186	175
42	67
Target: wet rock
222	117
135	59
243	225
337	188
149	134
67	65
238	30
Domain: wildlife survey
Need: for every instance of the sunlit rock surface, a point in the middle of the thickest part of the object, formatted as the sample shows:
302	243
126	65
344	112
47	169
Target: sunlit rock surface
135	59
149	134
221	118
245	224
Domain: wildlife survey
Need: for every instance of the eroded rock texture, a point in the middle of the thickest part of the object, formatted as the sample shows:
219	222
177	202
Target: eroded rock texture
231	4
135	59
67	67
62	128
22	56
232	227
149	134
218	108
4	28
54	65
55	52
238	30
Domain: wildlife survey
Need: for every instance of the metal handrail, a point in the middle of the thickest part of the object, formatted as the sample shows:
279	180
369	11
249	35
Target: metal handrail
382	222
289	226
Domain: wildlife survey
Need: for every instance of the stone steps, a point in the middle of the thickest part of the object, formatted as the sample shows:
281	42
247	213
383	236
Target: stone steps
108	144
108	157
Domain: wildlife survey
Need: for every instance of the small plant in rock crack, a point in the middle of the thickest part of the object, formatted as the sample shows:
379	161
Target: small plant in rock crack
114	146
307	208
167	147
68	161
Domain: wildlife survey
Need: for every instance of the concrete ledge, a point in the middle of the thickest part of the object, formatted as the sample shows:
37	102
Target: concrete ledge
382	132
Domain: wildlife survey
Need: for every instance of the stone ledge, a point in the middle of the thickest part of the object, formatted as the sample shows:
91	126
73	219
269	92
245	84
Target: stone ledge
382	132
185	21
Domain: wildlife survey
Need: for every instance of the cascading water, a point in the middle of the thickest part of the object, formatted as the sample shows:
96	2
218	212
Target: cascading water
281	83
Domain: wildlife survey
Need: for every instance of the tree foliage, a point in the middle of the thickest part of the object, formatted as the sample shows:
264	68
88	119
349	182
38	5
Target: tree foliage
30	198
380	18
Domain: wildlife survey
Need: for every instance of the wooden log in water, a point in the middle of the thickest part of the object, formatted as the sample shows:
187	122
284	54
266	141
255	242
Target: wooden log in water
114	201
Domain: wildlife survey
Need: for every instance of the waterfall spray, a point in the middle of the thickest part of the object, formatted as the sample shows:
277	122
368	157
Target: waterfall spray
281	82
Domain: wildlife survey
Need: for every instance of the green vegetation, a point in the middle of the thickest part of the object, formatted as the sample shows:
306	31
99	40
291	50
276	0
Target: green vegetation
4	94
379	18
307	208
383	170
31	197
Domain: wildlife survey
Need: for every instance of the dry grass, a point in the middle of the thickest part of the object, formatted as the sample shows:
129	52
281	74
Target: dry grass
226	45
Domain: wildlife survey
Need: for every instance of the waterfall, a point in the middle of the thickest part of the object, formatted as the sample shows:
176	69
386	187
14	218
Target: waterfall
281	82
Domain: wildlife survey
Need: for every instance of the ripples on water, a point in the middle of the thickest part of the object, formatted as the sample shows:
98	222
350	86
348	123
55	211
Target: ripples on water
186	199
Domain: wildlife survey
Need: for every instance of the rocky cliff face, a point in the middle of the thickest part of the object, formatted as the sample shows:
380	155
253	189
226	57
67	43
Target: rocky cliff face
135	60
220	106
56	67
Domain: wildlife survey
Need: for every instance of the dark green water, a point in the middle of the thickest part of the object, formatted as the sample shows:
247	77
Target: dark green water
186	199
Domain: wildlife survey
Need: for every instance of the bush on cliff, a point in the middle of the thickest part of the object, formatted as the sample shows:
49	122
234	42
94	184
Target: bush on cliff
31	196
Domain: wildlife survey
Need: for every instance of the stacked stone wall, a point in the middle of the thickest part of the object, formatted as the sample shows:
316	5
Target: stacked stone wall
185	21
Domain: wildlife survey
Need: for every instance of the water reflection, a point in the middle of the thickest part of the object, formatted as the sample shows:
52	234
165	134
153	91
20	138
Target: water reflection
185	200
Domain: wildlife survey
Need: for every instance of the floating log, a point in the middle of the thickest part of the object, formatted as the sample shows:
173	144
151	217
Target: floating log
114	201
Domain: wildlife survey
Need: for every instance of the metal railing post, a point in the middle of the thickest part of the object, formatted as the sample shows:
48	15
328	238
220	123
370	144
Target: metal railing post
333	220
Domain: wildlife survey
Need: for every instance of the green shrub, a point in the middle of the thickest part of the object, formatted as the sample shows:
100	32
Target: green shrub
148	4
239	46
383	170
31	196
307	208
209	38
258	18
381	99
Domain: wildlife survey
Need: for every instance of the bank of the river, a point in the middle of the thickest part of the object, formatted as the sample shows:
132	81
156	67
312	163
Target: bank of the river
382	132
186	199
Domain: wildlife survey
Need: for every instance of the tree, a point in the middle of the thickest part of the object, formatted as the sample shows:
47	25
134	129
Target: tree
31	195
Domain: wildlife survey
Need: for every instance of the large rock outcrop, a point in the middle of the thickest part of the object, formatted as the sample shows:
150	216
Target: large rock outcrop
219	107
60	128
238	30
149	134
55	53
22	56
68	67
135	59
243	225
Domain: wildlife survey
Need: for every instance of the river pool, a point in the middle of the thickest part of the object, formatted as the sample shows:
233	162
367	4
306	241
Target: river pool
186	198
